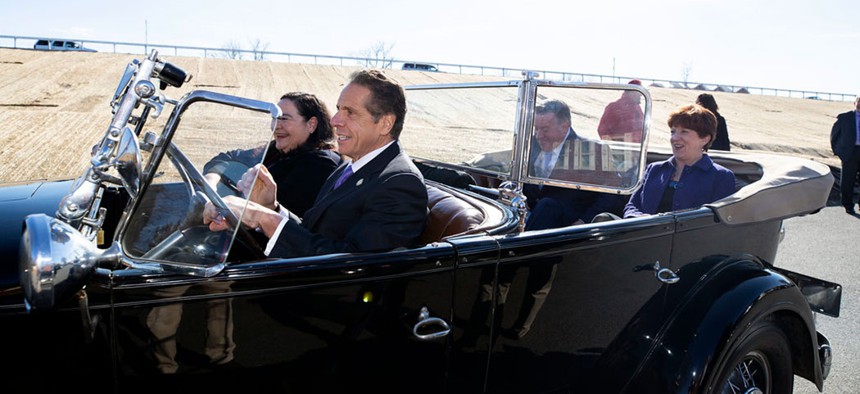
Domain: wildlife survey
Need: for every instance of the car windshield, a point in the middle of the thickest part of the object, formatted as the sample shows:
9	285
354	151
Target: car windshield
166	224
473	127
458	124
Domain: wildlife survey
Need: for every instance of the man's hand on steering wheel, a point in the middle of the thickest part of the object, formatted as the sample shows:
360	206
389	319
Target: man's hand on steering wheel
256	216
264	192
214	216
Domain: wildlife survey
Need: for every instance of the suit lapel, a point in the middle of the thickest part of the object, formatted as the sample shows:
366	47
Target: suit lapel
361	178
536	152
312	214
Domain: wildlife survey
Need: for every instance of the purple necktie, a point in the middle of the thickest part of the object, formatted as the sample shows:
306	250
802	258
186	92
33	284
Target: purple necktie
343	177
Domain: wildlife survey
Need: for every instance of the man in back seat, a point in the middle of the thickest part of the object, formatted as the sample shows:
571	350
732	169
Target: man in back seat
551	207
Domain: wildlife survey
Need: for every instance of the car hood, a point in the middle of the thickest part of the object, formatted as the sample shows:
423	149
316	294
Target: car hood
17	200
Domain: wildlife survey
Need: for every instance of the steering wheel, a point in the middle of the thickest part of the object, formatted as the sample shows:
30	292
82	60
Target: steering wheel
185	245
229	174
243	234
197	182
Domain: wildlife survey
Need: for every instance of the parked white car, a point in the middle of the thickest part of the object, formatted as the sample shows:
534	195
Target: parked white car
60	45
419	67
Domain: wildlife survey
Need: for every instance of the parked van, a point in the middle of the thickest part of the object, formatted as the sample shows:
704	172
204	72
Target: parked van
419	67
60	45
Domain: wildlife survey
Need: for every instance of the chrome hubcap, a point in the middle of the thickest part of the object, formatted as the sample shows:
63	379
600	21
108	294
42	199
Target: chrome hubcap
750	376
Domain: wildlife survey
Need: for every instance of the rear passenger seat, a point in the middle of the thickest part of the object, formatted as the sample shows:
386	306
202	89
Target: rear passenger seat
448	216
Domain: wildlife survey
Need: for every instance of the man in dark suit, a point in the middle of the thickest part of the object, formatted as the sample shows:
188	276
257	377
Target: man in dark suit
551	207
845	143
377	201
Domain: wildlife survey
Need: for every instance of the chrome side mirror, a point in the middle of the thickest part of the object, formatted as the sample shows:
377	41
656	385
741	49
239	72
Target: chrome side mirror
55	261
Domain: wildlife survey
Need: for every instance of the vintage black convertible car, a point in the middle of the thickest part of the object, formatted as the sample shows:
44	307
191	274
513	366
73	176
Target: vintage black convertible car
115	285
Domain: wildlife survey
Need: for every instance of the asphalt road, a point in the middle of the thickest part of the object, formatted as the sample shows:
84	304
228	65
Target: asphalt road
824	245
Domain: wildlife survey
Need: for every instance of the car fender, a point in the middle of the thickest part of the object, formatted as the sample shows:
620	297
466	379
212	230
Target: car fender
17	200
723	302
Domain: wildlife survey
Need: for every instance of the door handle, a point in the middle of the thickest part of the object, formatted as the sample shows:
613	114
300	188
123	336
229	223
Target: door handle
438	328
665	275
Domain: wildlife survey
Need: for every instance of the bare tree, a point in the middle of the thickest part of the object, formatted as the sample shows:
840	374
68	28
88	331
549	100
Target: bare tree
232	50
378	55
686	70
259	49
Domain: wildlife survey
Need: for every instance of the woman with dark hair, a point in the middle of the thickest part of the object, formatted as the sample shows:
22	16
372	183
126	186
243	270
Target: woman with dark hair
721	141
689	178
301	155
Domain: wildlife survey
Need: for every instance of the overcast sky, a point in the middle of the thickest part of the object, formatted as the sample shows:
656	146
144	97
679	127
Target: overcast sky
789	44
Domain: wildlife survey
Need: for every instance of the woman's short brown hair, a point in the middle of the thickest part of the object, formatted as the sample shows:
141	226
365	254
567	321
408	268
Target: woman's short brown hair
695	117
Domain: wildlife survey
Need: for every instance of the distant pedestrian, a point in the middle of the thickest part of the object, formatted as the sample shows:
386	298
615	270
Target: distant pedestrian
845	143
721	142
623	119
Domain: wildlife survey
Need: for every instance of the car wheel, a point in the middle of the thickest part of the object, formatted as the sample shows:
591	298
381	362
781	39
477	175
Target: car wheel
760	362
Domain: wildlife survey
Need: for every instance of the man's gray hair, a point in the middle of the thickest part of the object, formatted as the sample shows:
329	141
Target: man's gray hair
555	107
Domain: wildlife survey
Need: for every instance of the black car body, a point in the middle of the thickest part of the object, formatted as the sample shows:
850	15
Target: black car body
115	285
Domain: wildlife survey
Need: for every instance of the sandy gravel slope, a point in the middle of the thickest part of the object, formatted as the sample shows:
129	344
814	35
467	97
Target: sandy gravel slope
54	106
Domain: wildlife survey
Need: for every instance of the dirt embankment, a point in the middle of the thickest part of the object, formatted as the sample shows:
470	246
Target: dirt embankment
55	105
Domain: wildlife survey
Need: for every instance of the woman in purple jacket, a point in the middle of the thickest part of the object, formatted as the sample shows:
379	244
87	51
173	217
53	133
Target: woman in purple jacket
689	178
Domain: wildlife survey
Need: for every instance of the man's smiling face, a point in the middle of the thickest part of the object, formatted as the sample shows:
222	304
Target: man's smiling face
357	132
